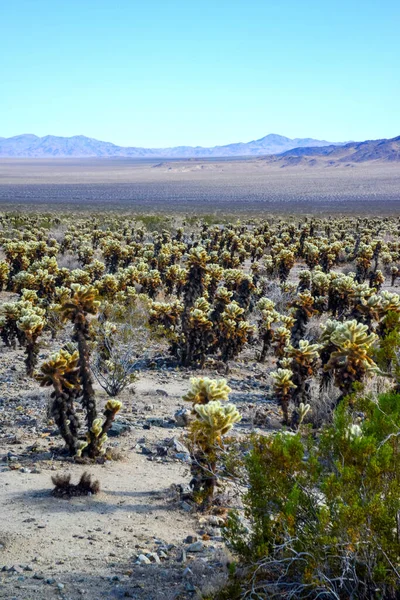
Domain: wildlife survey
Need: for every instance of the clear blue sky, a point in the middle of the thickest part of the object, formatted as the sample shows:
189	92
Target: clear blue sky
171	72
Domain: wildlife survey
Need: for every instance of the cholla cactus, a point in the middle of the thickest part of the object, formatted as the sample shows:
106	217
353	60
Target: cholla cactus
352	360
216	419
304	364
165	314
235	331
77	309
10	312
303	310
31	324
4	274
205	390
285	261
206	434
283	385
195	284
61	371
311	255
281	341
198	337
364	261
268	316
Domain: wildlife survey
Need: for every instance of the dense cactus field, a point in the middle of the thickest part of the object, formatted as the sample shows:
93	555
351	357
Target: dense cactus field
304	481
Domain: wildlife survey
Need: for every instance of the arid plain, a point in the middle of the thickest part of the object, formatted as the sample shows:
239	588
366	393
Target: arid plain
200	185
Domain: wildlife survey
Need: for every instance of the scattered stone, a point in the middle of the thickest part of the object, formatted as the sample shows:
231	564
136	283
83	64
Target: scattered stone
187	572
118	428
154	557
15	569
183	457
143	560
182	558
186	507
182	417
191	539
195	547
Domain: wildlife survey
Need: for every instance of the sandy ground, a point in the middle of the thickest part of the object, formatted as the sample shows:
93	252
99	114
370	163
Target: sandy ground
88	547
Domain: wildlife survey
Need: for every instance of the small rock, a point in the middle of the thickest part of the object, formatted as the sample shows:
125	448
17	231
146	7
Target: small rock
60	586
154	557
182	558
183	457
187	572
186	507
195	547
118	428
182	417
143	560
191	539
15	569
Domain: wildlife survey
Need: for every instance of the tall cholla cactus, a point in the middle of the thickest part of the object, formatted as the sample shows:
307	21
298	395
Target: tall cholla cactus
77	309
205	390
206	433
61	371
283	386
31	324
352	360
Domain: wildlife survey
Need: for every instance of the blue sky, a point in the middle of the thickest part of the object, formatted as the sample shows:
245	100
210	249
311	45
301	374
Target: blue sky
200	72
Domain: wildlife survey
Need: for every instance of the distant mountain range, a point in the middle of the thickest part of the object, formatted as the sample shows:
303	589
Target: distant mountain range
79	146
353	152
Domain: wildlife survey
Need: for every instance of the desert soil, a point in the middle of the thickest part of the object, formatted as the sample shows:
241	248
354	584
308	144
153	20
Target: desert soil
89	547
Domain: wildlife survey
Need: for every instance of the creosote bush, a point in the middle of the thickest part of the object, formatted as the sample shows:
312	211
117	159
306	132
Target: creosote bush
321	515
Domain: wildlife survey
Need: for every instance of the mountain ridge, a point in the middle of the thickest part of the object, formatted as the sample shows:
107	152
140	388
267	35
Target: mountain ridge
80	146
387	150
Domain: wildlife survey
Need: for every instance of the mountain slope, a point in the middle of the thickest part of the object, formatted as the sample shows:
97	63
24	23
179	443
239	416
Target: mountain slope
353	152
50	146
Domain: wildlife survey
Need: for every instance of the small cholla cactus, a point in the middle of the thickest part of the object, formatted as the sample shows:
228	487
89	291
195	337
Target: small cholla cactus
205	390
4	274
283	386
206	434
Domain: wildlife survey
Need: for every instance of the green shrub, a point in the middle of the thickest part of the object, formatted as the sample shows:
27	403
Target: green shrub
321	518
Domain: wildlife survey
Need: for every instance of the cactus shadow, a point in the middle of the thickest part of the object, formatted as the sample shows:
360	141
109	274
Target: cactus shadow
103	503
